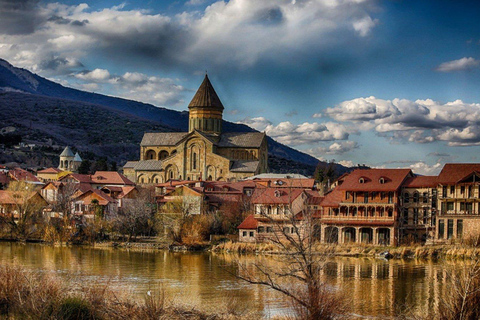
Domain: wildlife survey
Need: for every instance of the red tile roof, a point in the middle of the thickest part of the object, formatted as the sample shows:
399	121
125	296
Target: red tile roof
421	182
19	174
393	179
50	170
453	172
110	177
85	178
4	178
314	198
274	195
249	223
333	198
8	197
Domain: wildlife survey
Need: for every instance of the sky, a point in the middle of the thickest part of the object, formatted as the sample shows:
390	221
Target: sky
383	83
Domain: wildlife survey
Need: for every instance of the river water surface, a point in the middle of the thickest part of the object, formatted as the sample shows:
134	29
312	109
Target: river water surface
375	288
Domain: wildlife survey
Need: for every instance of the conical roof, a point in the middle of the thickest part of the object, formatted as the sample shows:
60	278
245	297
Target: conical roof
206	96
67	152
77	157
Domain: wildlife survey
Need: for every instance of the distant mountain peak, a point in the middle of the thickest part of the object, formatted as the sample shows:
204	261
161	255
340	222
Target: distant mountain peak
22	74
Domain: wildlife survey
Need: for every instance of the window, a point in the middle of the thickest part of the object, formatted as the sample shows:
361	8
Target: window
449	206
415	197
382	195
361	180
444	191
251	234
286	230
425	216
390	197
381	180
405	216
406	197
261	229
425	197
269	229
373	196
347	195
365	197
462	189
449	228
194	166
441	228
415	216
459	229
244	233
470	194
452	189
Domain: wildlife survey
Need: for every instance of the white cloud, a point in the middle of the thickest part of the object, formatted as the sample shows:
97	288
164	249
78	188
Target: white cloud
420	121
425	169
95	75
364	26
335	148
294	135
458	65
346	163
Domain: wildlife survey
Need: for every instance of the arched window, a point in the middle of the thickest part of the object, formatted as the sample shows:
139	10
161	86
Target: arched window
416	197
361	180
406	197
381	180
194	166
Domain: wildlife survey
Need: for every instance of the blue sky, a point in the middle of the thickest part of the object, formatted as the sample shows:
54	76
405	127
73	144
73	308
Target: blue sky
382	83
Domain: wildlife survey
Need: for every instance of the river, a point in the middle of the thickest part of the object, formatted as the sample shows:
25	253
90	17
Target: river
375	287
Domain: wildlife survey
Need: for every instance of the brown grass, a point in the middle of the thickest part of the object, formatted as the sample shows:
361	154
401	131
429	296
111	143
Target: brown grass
32	295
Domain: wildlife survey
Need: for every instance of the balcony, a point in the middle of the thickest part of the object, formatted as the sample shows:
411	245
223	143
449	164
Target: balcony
358	218
369	204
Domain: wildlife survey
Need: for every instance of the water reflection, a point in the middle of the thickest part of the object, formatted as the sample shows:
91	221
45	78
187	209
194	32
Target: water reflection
375	287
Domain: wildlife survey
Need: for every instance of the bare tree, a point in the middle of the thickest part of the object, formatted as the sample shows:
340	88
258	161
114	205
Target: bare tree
296	271
26	209
136	217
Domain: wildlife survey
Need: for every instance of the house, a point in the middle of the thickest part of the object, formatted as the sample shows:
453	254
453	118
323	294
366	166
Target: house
458	201
94	202
17	203
49	174
419	202
365	207
274	209
182	200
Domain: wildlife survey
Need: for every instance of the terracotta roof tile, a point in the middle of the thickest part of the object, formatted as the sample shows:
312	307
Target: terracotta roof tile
50	170
249	223
19	174
393	179
421	182
110	177
453	172
274	195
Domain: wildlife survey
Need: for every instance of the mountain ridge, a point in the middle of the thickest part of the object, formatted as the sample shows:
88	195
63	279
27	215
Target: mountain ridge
15	82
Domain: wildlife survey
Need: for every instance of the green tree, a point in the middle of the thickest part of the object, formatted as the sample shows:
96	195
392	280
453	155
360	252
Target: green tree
84	167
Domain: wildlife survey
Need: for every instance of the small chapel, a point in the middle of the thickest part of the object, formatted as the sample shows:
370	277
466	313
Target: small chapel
205	152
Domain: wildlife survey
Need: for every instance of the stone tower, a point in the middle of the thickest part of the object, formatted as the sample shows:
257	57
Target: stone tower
205	110
69	161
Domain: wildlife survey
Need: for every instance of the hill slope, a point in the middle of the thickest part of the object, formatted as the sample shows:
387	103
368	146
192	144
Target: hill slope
46	112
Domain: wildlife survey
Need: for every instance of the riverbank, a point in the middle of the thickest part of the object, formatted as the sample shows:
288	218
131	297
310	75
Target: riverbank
35	295
450	251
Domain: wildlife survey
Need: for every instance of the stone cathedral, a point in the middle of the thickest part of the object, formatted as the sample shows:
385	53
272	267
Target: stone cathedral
202	153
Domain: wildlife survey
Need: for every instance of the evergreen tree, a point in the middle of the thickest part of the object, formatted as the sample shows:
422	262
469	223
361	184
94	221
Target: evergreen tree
84	167
101	165
113	166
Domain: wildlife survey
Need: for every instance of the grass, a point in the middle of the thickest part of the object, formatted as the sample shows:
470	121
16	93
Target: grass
449	251
32	295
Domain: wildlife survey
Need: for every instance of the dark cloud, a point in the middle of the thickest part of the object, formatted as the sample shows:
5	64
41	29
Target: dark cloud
270	16
79	23
59	20
18	16
438	154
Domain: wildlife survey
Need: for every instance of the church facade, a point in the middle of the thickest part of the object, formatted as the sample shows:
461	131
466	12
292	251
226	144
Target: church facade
202	153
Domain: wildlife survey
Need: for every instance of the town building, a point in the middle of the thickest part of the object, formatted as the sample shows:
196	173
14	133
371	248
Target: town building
419	207
205	152
458	201
365	207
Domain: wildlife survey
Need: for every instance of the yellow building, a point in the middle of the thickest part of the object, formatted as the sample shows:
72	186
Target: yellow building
202	153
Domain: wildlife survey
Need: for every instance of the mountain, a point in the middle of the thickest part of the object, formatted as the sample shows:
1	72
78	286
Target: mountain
48	114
